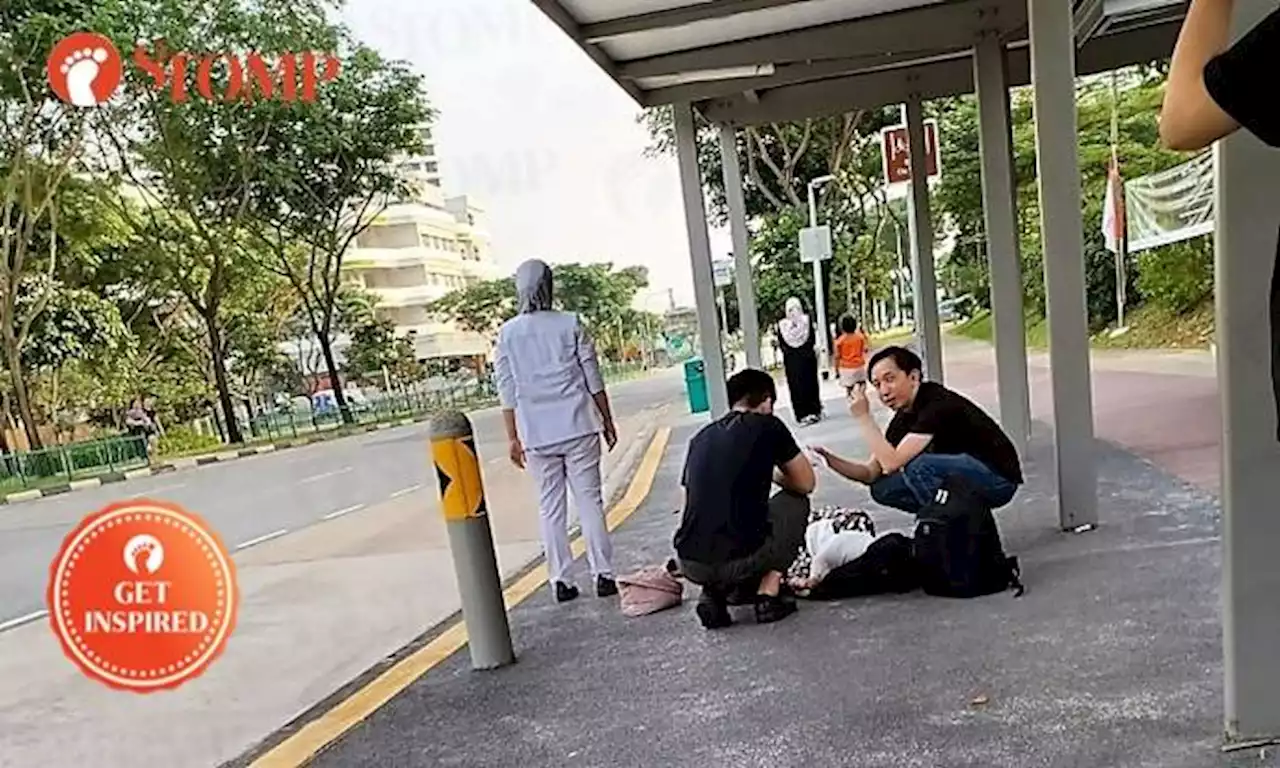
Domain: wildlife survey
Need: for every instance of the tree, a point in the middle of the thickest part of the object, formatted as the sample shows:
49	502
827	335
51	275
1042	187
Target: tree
600	295
779	160
327	172
196	163
959	194
481	307
40	138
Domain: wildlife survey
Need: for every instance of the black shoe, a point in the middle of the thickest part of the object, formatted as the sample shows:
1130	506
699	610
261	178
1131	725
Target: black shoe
606	587
565	592
741	595
713	613
770	609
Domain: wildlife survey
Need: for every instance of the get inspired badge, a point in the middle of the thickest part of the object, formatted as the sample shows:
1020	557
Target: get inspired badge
142	596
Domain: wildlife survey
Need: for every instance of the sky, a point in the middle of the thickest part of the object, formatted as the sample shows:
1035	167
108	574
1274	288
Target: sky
543	139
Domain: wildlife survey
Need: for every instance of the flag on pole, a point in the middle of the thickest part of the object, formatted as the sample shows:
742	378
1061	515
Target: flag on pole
1113	208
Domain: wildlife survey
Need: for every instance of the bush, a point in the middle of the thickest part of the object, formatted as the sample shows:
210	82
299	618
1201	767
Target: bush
1179	276
186	440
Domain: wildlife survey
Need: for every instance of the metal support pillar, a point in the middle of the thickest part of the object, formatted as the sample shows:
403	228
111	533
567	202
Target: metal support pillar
704	289
999	205
1248	182
928	328
1053	58
748	316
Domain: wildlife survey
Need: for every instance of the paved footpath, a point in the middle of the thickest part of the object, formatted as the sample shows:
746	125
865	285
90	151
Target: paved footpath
1111	659
363	569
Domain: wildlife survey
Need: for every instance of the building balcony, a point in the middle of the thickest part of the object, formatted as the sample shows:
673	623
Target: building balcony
410	296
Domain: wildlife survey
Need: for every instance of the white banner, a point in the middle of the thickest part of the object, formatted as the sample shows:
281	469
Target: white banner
1172	205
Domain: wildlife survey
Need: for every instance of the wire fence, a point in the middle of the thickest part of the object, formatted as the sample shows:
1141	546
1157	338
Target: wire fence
75	461
390	407
62	464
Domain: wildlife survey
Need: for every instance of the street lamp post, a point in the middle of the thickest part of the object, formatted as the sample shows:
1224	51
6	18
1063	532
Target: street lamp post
819	297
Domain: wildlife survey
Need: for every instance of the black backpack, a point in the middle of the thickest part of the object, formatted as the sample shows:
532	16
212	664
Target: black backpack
886	567
957	548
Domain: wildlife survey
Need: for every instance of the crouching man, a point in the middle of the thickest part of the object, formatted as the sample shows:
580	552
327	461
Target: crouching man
935	432
735	539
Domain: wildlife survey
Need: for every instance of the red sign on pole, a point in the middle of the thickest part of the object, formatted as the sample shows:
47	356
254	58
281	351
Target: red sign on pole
897	156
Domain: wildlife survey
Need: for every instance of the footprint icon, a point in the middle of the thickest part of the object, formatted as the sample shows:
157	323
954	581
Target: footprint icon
81	68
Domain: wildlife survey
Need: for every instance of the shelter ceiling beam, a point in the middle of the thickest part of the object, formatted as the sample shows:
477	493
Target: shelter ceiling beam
674	17
927	28
932	80
556	12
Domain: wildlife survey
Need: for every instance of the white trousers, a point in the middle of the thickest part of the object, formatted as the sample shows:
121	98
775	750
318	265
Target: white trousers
556	469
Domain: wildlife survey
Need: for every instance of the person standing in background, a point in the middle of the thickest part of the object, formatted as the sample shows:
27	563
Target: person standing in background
550	387
851	355
800	361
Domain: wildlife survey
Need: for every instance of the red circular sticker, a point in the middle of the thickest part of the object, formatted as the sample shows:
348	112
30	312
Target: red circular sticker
84	69
142	595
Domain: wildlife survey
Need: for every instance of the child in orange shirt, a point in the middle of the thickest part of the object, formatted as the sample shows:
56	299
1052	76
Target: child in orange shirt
851	355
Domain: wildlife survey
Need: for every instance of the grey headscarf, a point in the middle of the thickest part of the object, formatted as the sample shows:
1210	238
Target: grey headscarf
533	286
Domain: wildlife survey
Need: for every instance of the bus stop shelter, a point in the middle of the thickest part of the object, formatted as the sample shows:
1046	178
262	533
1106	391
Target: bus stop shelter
738	63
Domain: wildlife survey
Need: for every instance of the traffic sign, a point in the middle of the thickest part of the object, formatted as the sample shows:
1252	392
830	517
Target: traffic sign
722	272
815	244
896	153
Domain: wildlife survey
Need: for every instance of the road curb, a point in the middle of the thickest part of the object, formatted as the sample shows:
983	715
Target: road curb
192	462
323	435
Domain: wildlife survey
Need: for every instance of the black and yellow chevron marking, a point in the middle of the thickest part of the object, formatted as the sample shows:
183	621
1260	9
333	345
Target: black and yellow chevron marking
458	470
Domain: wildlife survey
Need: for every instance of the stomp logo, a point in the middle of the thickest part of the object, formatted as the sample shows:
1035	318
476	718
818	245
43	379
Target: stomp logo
85	69
142	596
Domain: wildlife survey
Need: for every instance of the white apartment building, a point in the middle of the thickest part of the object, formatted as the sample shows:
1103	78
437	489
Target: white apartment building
415	252
423	169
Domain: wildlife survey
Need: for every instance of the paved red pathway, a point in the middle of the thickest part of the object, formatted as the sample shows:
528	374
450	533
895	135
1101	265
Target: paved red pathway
1171	419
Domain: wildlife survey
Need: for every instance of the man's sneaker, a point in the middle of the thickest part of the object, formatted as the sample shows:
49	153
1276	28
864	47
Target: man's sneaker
713	613
606	587
770	609
565	592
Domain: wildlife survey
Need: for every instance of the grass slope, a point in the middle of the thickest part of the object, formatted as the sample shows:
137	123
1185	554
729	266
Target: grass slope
1150	327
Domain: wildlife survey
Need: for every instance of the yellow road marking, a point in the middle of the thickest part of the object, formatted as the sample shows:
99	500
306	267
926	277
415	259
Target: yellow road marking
302	746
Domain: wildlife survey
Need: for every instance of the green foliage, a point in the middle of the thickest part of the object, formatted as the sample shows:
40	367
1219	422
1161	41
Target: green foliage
327	170
597	293
481	307
778	161
959	194
374	345
1177	277
183	440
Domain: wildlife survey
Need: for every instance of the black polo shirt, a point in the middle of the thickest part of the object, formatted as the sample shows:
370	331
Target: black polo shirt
728	480
1240	81
958	426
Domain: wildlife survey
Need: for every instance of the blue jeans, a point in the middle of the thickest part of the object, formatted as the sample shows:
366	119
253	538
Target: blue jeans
913	486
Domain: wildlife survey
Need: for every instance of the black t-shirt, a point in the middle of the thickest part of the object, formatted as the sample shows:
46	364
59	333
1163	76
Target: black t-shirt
728	476
957	426
1240	81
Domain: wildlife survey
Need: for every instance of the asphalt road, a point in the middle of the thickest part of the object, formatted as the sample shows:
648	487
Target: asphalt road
252	500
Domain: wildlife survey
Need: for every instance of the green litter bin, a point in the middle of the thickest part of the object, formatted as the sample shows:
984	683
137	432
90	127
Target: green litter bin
695	383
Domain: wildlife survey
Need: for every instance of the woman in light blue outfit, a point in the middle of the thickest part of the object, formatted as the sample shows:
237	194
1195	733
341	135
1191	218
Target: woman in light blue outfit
555	408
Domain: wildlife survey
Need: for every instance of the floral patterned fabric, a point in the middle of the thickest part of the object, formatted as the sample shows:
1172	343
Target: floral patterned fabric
845	519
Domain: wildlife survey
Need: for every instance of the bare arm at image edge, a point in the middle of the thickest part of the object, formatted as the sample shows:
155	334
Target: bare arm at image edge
1190	118
1214	89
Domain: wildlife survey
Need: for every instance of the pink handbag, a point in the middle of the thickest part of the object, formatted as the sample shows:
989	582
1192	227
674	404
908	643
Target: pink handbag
649	590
